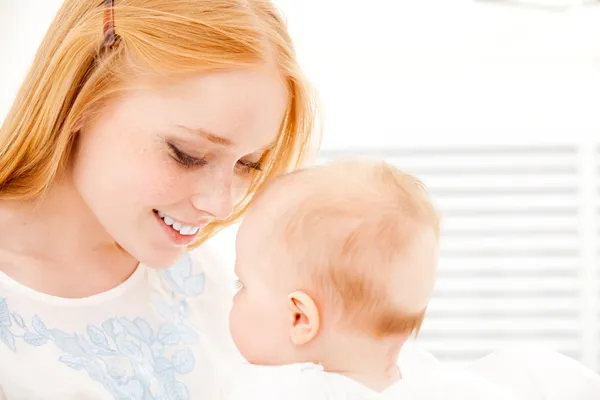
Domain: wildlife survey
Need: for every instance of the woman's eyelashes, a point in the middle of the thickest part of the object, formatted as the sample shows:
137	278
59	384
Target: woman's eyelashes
184	159
249	166
238	285
187	161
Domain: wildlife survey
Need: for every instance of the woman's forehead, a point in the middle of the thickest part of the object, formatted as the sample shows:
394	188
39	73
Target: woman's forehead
241	107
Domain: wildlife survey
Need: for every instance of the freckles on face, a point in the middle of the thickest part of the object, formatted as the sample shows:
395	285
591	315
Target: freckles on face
124	167
238	120
123	163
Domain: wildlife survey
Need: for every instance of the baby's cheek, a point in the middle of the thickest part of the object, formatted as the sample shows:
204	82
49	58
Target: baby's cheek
241	318
243	332
236	327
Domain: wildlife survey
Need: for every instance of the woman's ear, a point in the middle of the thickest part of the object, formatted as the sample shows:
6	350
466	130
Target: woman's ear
304	318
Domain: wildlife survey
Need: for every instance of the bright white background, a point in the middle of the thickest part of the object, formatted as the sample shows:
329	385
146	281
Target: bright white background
495	106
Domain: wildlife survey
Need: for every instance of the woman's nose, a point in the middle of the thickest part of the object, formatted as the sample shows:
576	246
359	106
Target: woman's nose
215	197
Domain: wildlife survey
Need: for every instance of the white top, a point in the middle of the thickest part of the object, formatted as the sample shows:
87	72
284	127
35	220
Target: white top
535	373
309	381
162	334
506	374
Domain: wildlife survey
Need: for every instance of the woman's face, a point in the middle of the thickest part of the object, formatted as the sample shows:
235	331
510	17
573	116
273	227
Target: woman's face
158	164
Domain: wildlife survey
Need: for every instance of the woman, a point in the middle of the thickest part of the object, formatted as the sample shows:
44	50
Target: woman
143	127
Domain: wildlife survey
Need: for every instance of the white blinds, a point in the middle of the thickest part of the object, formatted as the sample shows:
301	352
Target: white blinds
519	254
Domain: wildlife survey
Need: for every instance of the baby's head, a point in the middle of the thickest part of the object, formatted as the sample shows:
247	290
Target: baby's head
333	256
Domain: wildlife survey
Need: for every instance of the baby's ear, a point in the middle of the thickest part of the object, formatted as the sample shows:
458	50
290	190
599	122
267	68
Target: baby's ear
304	318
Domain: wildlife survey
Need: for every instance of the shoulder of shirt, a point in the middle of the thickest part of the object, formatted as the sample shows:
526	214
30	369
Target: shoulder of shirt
448	383
290	382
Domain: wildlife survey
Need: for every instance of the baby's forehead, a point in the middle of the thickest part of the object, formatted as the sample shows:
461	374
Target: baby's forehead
279	205
312	190
288	190
273	203
330	179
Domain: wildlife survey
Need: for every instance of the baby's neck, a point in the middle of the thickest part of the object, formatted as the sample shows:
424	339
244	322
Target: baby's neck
371	363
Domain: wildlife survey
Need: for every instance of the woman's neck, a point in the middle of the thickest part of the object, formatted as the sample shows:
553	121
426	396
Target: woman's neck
55	245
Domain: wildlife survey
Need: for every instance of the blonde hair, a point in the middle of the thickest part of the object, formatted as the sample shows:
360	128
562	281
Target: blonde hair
73	75
350	231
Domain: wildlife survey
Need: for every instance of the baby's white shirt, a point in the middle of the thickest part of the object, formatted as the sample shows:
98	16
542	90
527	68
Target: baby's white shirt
310	382
506	374
424	378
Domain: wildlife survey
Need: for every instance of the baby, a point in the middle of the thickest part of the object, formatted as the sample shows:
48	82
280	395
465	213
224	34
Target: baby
336	265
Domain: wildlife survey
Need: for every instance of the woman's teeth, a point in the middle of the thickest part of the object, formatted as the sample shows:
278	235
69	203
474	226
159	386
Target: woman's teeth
178	226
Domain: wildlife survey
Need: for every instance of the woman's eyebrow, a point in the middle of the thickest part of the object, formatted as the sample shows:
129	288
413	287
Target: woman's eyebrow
208	135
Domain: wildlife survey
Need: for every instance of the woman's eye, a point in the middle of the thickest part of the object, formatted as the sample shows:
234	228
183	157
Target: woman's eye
249	166
186	160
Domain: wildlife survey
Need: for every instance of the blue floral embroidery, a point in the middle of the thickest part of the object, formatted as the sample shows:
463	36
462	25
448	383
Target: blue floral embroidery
126	356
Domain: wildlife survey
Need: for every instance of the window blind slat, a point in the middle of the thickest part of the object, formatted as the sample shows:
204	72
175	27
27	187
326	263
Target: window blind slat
505	222
523	201
515	305
540	265
521	242
498	180
511	284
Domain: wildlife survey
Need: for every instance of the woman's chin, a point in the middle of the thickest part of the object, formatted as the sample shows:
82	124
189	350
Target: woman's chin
160	258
